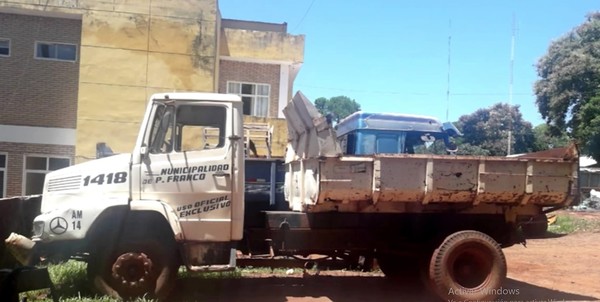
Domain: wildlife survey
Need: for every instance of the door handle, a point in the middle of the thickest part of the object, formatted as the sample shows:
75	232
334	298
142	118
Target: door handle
221	174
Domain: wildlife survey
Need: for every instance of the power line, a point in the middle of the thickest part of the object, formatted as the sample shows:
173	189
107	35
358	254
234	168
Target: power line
305	14
417	93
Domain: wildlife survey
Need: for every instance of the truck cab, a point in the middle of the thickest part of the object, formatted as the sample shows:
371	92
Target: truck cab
174	200
364	133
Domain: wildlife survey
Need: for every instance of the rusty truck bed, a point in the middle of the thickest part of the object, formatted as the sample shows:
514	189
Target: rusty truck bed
431	179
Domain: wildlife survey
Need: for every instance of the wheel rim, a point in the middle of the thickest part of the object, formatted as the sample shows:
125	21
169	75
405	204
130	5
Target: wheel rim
133	271
471	266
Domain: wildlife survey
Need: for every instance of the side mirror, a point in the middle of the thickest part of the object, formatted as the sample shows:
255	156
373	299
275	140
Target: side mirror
451	147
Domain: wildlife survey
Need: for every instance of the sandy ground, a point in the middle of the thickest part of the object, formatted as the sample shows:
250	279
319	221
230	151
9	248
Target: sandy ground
556	268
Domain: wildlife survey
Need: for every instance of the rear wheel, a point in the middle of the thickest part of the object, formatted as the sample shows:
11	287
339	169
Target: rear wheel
468	266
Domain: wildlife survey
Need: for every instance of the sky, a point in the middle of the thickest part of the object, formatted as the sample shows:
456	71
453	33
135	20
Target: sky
392	56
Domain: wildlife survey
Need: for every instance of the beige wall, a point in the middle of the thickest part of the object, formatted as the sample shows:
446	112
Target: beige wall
261	45
129	50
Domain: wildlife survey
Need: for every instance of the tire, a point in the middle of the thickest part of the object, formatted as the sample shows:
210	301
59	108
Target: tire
468	266
135	269
537	227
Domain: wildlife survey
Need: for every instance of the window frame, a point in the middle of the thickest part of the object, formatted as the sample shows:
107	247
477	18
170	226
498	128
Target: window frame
47	157
252	96
35	53
178	133
175	130
4	170
9	47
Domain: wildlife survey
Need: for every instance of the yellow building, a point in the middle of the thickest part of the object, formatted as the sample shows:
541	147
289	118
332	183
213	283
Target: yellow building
129	50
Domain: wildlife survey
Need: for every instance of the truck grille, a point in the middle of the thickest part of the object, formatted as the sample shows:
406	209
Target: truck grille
64	184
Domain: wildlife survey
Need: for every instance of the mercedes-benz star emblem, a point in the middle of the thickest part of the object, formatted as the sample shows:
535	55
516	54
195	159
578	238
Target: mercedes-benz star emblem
58	225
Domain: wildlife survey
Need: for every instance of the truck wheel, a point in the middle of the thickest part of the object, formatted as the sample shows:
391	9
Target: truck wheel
537	227
135	269
468	266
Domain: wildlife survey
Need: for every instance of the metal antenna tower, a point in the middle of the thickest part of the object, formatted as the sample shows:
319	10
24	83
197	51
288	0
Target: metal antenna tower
510	86
448	80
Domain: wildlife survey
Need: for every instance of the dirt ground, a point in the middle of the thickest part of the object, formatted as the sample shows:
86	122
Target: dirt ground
555	268
562	267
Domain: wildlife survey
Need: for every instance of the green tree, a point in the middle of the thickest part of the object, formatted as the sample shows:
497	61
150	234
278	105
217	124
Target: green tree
569	81
545	140
468	149
339	106
485	132
589	129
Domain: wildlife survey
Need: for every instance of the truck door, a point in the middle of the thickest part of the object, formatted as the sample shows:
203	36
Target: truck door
188	165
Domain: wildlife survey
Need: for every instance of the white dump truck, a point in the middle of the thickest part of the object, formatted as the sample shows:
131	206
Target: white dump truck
179	200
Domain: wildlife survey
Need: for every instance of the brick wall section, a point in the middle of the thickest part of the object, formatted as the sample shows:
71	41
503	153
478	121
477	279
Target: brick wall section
37	92
252	73
14	164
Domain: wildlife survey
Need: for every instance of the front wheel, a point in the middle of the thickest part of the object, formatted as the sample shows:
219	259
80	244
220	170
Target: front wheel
135	269
468	266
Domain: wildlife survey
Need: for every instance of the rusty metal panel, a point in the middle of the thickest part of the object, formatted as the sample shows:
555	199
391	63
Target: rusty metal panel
412	181
502	181
454	180
550	182
345	179
402	179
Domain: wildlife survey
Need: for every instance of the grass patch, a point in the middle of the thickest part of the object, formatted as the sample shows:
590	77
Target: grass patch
70	281
566	224
239	272
184	273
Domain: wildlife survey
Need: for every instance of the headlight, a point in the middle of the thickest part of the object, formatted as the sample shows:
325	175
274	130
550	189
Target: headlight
38	228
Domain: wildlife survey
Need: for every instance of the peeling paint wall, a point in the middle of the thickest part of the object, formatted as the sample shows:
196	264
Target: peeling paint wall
265	45
129	50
